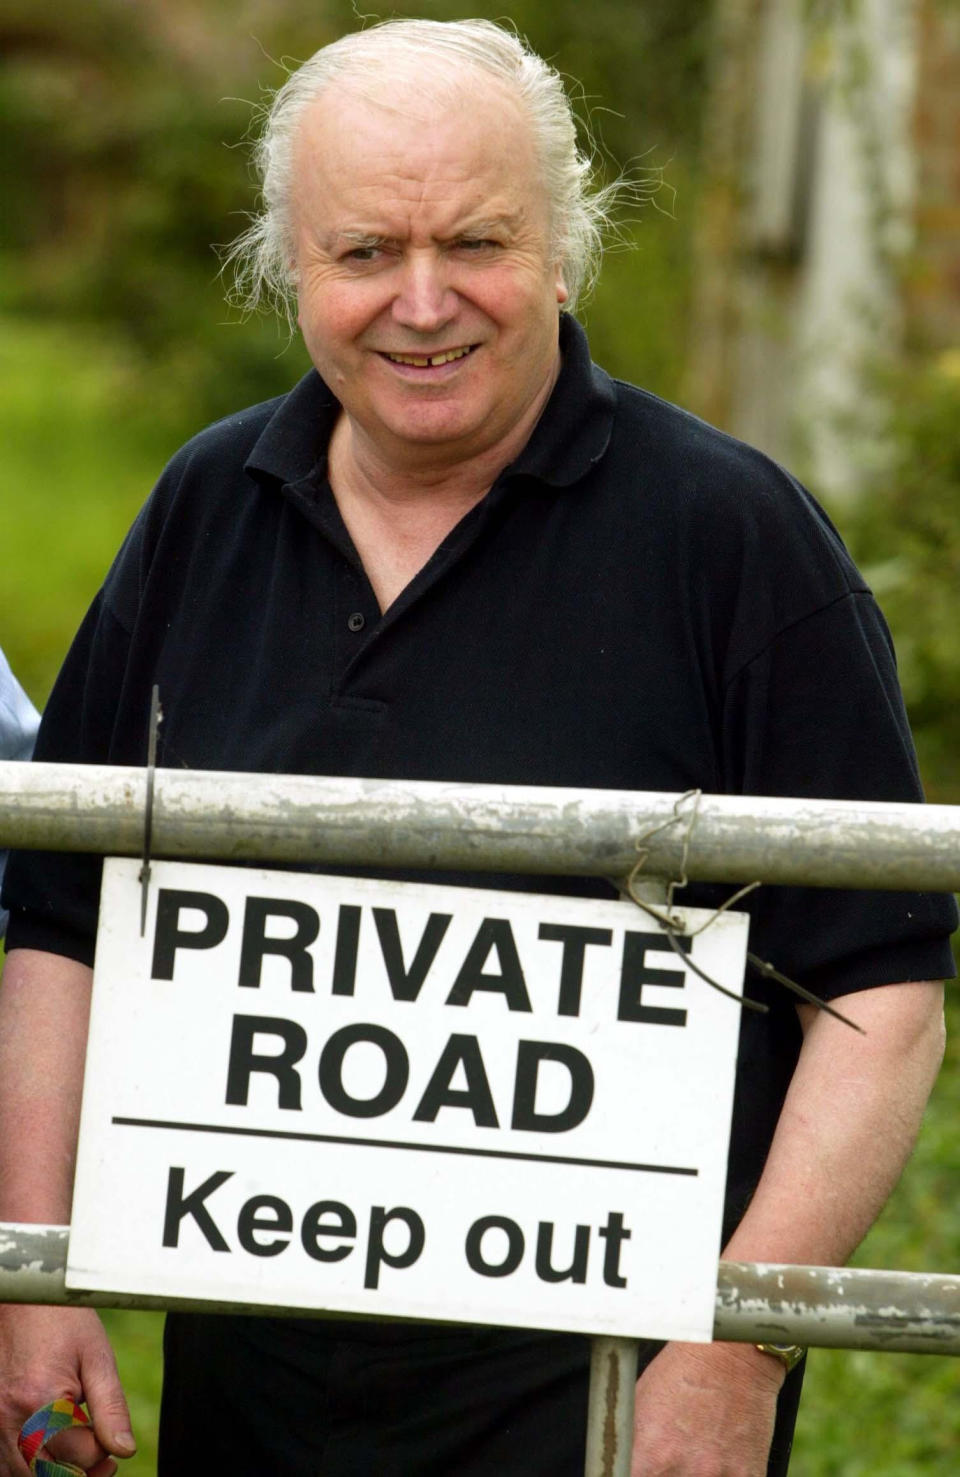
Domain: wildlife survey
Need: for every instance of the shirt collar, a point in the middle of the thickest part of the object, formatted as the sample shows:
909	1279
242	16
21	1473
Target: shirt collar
294	441
574	431
570	437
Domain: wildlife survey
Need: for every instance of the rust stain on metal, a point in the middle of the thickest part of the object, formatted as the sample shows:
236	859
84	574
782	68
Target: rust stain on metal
610	1414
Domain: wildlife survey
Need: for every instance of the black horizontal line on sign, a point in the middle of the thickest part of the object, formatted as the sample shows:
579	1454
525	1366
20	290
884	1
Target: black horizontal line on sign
332	1138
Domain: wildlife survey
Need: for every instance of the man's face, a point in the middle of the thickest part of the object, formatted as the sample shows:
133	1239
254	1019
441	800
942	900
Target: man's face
422	236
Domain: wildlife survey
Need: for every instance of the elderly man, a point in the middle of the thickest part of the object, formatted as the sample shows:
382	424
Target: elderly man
458	550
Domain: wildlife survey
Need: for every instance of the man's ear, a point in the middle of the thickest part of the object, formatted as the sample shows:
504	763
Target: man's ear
563	292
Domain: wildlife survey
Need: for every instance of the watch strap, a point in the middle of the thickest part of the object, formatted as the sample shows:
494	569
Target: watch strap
789	1355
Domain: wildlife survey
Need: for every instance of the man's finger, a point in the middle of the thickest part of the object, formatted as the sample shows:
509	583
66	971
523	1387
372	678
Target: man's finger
105	1401
106	1468
78	1447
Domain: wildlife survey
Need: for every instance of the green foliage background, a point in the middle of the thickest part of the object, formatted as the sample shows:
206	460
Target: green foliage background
115	345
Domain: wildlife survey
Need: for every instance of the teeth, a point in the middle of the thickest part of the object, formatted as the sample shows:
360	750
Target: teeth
421	361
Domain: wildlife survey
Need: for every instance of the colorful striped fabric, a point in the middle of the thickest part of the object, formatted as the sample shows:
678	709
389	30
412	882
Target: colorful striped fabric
59	1415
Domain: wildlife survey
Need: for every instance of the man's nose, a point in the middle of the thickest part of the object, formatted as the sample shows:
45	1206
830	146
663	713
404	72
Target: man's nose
425	301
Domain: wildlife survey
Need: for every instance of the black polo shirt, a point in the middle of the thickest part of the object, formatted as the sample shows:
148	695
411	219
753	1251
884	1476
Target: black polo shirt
639	602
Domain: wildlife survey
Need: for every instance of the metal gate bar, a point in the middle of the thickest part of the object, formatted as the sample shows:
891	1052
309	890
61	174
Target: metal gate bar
826	1307
536	829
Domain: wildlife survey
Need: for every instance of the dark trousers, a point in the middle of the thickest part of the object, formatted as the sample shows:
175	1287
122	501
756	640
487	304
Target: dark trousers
254	1397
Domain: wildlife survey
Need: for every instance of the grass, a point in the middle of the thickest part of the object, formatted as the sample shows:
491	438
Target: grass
136	1339
866	1414
84	435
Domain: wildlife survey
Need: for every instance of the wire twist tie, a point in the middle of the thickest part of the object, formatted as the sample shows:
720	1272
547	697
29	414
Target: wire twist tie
673	923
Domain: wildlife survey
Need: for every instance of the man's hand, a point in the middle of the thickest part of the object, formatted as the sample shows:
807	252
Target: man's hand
705	1410
45	1354
49	1353
848	1124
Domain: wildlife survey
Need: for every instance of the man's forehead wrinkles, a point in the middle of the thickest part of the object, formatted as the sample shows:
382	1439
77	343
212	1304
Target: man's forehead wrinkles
468	175
467	190
397	221
424	182
379	222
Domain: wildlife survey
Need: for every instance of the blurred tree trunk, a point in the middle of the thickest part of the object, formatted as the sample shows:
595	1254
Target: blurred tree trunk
728	117
805	227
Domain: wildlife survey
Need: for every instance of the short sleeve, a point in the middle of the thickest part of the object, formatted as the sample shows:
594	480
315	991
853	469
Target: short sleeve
818	713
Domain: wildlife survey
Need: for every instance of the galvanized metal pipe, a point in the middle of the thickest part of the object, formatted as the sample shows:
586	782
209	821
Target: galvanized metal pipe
613	1373
290	818
828	1307
838	1308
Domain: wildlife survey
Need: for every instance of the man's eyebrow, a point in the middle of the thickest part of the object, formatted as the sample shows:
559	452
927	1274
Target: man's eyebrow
355	238
475	226
489	225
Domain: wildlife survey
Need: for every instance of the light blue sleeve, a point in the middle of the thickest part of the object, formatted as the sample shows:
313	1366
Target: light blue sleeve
19	721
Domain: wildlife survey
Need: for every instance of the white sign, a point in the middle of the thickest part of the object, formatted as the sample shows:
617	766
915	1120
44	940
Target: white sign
404	1100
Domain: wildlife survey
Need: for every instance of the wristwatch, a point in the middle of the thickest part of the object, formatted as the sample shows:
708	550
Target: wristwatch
788	1354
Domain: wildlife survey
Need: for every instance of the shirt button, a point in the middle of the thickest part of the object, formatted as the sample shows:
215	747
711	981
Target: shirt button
356	622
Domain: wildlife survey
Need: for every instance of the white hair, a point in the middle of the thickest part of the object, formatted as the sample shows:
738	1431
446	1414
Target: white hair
262	258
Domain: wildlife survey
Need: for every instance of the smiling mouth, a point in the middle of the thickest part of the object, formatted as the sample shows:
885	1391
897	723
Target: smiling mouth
431	361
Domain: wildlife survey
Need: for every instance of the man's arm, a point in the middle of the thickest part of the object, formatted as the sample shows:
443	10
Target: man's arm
49	1352
847	1128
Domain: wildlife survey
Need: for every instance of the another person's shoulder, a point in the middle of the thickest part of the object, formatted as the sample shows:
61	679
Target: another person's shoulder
19	719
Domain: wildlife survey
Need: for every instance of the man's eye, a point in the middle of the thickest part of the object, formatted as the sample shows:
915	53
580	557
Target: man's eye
474	244
362	254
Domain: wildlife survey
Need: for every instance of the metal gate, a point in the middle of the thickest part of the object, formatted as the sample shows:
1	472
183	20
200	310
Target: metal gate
717	838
